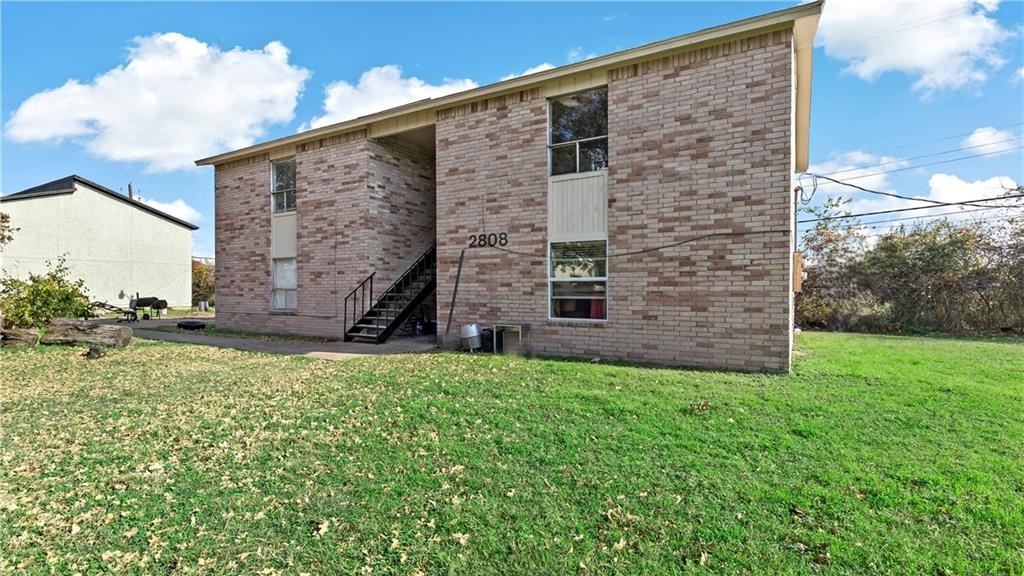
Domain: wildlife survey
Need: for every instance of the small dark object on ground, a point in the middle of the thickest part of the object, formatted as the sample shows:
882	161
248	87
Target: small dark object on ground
701	407
95	351
191	324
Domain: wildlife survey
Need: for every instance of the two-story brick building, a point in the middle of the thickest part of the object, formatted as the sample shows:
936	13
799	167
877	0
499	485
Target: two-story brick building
638	206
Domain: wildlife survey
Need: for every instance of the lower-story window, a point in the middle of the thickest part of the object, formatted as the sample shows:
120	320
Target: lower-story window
578	279
285	294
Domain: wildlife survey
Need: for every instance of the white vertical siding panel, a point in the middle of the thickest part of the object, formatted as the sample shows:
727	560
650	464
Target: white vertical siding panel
578	206
283	235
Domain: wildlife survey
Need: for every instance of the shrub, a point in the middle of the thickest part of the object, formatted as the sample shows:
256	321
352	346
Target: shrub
33	303
939	276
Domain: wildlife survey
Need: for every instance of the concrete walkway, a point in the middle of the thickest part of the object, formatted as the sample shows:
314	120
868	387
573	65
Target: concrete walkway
327	350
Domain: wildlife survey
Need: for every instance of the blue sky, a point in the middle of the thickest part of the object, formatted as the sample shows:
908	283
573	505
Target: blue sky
943	75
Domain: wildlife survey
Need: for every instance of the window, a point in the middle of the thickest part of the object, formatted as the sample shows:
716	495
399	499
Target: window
579	132
578	279
282	193
285	294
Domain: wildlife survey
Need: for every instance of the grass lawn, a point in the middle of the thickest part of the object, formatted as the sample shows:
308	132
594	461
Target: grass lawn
192	312
878	455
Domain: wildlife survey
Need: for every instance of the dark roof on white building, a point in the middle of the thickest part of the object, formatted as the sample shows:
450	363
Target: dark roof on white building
66	185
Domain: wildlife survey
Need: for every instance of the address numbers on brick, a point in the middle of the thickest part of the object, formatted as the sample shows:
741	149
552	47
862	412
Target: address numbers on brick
491	240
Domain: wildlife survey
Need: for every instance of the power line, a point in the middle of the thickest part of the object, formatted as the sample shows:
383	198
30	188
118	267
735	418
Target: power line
661	247
939	215
696	238
928	155
934	163
879	192
922	21
892	229
944	138
895	210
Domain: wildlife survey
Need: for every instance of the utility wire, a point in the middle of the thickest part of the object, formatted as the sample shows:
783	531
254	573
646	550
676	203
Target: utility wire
696	238
661	247
922	21
941	214
880	193
844	171
943	138
905	168
899	225
895	210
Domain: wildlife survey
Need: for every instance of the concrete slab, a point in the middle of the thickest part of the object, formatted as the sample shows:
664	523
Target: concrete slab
326	350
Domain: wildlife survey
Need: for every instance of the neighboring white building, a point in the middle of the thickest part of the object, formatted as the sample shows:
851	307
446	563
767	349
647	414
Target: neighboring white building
116	244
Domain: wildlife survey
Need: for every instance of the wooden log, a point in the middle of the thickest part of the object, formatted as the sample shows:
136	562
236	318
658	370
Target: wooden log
66	331
19	336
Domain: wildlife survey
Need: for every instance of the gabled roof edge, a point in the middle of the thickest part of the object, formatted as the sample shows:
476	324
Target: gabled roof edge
716	33
34	192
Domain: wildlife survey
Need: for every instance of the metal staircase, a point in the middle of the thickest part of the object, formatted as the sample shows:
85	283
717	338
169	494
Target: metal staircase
378	322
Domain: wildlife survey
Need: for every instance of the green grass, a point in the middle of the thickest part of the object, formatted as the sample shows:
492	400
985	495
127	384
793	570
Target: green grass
212	330
192	312
878	455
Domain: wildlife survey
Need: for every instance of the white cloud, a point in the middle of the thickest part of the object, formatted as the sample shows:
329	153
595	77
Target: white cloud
577	55
950	188
574	55
944	45
859	166
538	68
1020	72
176	99
177	208
378	89
992	141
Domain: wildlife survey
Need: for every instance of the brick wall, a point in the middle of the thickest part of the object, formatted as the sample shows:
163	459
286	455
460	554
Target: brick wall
243	238
699	145
331	212
361	206
401	205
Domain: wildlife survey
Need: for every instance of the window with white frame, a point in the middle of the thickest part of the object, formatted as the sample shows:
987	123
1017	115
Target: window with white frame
282	191
285	294
578	279
578	138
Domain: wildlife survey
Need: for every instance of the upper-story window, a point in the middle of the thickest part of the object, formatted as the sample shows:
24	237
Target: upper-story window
282	193
579	132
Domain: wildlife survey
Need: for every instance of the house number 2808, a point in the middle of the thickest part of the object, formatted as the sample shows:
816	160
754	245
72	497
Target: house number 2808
488	240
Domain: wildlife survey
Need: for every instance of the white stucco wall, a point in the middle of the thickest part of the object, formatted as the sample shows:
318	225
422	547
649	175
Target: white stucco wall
116	248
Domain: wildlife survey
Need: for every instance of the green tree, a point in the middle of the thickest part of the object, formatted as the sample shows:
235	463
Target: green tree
203	273
830	299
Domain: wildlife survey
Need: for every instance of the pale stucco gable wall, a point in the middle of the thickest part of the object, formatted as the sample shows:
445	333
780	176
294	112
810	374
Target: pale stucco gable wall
116	248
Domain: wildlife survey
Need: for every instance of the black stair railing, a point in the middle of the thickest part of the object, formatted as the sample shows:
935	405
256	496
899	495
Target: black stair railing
422	264
358	297
395	302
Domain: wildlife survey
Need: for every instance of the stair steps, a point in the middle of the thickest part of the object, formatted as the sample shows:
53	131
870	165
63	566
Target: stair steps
395	305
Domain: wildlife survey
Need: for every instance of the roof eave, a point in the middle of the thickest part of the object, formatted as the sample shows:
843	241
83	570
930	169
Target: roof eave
715	34
133	202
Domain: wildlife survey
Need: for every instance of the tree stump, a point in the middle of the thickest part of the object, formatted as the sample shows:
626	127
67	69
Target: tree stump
67	331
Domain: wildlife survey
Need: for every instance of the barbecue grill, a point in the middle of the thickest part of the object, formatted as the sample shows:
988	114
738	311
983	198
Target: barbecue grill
150	306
